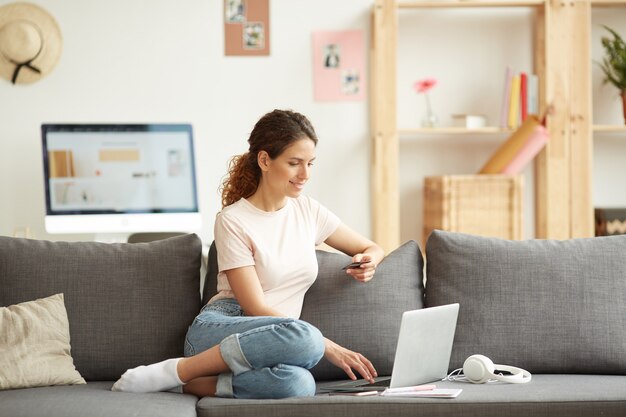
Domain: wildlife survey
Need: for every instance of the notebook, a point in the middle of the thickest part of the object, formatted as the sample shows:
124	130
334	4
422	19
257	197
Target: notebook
422	354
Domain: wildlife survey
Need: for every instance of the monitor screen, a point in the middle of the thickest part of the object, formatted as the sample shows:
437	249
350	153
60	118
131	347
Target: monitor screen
119	178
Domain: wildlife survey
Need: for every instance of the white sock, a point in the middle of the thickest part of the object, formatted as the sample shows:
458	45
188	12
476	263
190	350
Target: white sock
161	376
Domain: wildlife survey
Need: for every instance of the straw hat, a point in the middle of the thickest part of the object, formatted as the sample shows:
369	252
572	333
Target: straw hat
30	42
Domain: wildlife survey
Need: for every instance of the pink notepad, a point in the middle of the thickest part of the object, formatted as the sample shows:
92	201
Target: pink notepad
433	393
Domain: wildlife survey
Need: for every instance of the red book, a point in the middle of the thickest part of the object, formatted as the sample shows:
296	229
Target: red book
524	95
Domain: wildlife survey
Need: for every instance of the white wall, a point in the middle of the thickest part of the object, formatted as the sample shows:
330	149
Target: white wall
162	61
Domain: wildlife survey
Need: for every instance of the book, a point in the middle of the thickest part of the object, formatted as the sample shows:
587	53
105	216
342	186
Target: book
531	147
523	95
533	94
504	114
514	102
469	121
511	147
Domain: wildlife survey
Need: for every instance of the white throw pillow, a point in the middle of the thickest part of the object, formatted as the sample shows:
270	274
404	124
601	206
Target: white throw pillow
35	345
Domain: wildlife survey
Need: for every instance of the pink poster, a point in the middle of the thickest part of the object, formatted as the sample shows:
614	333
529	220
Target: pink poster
339	66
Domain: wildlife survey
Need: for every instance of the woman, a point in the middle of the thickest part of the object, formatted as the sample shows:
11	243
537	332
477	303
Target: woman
247	342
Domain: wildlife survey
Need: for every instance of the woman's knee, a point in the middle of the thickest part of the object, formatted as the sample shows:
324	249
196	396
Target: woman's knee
298	383
287	341
309	341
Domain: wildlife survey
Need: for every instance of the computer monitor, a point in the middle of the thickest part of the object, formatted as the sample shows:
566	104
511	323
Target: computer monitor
119	178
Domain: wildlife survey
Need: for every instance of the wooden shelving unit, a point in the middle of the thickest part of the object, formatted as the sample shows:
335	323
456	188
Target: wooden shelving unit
563	202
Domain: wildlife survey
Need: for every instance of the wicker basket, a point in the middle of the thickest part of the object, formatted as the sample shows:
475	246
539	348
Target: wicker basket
487	205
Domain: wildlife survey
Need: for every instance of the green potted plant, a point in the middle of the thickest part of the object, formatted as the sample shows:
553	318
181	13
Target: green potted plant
614	63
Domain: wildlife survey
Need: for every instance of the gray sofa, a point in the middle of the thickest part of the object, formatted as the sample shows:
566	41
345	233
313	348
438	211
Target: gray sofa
555	308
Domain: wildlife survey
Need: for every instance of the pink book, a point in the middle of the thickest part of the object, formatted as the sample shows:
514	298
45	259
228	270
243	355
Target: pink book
533	145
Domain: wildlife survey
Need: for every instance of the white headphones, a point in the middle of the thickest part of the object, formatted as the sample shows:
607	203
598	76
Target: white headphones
480	369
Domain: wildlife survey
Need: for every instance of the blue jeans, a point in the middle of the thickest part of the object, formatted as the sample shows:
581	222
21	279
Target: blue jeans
269	357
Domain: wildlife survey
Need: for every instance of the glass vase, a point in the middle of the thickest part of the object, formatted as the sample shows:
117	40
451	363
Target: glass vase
430	119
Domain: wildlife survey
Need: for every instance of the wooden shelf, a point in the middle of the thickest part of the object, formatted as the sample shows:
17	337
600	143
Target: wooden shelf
610	128
469	3
608	3
489	130
452	131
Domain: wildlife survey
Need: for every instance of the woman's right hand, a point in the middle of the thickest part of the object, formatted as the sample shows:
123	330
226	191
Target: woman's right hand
348	360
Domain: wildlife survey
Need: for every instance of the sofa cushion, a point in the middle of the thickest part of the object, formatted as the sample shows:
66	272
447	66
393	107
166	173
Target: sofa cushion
95	399
35	345
545	305
364	317
127	304
545	396
349	312
210	279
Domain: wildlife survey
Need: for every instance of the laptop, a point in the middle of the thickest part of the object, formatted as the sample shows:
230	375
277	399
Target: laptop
422	354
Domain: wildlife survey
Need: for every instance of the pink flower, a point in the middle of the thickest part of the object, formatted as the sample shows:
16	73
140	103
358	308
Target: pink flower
422	86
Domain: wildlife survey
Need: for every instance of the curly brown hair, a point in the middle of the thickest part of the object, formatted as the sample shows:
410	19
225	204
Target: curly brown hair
273	133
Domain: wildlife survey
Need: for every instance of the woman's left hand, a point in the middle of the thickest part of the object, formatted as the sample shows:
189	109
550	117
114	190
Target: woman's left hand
364	272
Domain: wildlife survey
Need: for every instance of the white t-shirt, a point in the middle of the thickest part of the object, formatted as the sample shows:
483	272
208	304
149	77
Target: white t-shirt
280	245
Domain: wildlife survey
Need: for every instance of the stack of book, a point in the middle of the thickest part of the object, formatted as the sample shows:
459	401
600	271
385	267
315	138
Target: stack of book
520	99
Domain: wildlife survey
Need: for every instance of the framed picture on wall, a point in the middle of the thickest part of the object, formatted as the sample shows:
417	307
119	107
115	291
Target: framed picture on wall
246	27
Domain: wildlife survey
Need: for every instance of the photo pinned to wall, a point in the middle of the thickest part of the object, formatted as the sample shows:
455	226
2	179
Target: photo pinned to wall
350	81
332	55
254	35
246	27
234	11
339	65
